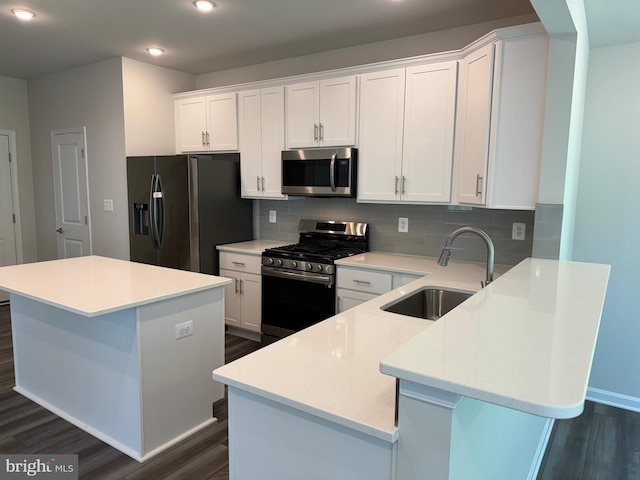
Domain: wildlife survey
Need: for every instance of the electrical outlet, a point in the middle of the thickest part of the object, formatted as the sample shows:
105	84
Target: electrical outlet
108	205
519	231
272	216
403	224
184	329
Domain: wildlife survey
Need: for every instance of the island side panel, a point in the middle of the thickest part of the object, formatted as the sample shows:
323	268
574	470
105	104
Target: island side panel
270	440
84	369
177	390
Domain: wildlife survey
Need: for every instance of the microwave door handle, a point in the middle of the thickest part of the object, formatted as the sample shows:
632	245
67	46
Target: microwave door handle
332	173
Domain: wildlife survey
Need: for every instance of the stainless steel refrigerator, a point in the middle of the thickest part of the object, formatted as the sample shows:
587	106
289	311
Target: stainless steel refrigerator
182	206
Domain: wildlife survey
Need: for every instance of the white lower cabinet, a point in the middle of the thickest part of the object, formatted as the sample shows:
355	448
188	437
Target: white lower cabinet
243	297
358	285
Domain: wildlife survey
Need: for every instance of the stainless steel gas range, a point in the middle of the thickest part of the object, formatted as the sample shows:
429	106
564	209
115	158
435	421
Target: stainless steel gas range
298	281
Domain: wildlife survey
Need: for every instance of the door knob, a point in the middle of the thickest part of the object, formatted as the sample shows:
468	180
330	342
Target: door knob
60	230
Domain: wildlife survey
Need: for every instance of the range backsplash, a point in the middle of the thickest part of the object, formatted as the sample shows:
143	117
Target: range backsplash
429	226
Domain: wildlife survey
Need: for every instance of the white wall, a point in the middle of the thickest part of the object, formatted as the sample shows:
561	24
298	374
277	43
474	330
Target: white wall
424	44
148	107
607	227
14	115
89	96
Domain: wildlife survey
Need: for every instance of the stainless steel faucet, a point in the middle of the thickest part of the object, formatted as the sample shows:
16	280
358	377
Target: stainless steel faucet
446	251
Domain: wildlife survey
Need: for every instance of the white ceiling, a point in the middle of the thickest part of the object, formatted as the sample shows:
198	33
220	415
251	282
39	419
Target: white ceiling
612	22
71	33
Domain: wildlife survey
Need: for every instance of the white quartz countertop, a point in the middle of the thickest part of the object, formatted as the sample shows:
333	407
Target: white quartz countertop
251	247
525	342
94	285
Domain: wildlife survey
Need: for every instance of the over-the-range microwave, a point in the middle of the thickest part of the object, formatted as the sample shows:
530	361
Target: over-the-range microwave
322	172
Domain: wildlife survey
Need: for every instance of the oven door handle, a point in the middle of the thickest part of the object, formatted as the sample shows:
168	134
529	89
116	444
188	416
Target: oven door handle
304	277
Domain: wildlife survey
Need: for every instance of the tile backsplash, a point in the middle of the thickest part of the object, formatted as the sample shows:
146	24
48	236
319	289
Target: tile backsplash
429	226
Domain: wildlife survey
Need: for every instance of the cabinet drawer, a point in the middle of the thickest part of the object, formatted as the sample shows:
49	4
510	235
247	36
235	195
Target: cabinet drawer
364	280
240	262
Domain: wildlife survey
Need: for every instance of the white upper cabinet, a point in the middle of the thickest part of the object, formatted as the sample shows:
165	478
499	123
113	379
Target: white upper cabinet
380	135
500	123
206	123
406	134
429	121
321	113
261	132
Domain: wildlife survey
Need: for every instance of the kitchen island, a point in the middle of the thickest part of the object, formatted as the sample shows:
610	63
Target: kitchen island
476	392
120	349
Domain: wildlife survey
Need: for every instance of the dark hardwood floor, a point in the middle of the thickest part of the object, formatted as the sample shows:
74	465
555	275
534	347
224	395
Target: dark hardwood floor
602	444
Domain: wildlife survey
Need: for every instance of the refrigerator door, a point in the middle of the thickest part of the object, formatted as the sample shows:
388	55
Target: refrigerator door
172	208
140	172
221	216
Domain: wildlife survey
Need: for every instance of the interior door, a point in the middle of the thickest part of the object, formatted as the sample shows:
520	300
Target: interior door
8	252
71	192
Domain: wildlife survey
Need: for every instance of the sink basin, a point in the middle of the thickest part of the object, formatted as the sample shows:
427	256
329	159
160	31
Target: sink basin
430	303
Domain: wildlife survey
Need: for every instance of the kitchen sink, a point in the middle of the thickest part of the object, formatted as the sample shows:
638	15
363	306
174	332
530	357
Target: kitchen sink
430	303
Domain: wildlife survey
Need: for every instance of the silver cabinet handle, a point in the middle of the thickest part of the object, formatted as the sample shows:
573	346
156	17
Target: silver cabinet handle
478	185
239	264
315	132
208	140
203	140
236	282
404	184
241	287
263	184
60	230
258	183
362	282
338	306
321	132
397	178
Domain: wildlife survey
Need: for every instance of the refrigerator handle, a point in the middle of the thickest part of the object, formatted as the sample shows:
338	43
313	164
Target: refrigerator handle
160	212
152	212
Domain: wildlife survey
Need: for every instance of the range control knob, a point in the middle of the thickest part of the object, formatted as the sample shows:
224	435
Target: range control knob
269	261
319	268
308	266
294	264
279	262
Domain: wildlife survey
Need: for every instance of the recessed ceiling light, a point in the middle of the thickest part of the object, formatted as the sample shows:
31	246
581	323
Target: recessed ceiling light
204	5
155	51
23	14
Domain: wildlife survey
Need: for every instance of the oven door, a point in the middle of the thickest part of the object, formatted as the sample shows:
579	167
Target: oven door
292	301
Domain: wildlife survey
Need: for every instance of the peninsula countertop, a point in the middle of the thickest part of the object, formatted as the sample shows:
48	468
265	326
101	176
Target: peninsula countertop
524	342
94	285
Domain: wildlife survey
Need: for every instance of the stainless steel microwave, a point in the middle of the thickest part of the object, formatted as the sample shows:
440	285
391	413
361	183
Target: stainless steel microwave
323	172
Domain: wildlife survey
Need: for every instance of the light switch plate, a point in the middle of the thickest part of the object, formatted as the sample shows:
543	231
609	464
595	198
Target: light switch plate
519	231
272	216
403	224
108	205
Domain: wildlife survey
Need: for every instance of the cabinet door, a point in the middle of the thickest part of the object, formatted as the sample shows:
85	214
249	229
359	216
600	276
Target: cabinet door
474	119
337	125
191	124
222	118
232	308
346	299
251	294
272	141
428	132
250	140
303	108
380	135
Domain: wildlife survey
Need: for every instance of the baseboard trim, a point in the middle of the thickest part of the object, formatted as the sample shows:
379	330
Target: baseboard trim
613	399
